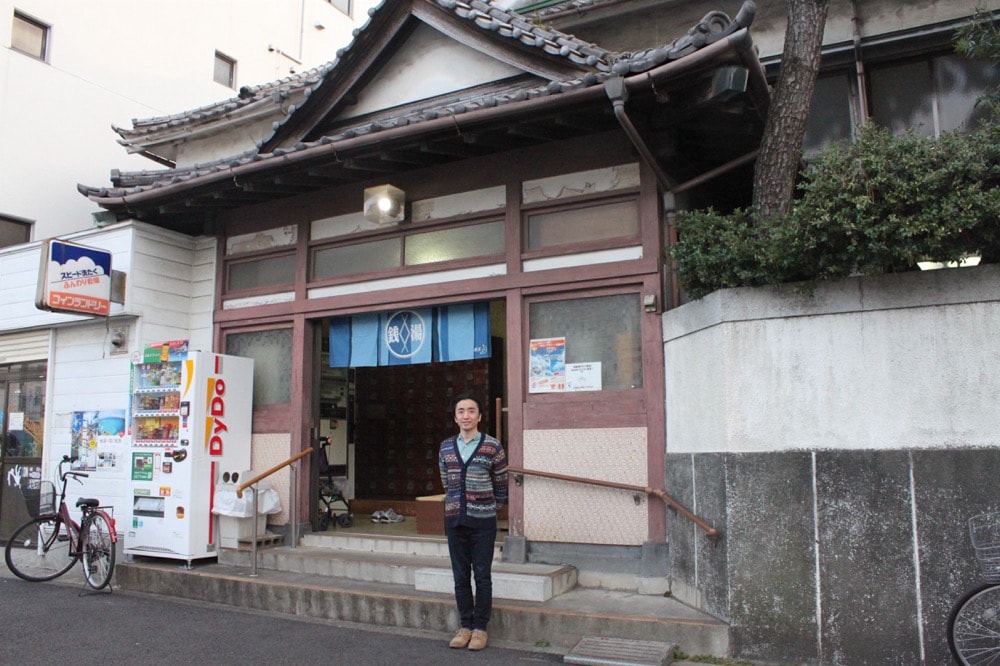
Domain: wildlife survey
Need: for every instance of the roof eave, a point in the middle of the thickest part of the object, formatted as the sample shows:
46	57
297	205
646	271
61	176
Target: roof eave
738	44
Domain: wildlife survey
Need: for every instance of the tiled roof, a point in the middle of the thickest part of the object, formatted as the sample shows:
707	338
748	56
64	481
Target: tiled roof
274	92
592	65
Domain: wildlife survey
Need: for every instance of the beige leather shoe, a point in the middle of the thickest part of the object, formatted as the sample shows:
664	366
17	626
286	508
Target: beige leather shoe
478	640
461	639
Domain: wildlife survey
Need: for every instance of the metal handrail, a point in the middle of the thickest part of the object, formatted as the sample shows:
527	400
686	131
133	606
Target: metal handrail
292	509
263	475
662	494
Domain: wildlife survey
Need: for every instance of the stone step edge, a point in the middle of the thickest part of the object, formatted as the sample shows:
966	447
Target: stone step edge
524	582
512	620
391	544
521	586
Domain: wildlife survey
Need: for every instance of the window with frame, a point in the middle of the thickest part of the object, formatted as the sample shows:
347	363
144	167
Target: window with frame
926	96
416	248
225	70
272	363
594	222
605	329
22	409
14	232
830	117
260	273
30	36
931	96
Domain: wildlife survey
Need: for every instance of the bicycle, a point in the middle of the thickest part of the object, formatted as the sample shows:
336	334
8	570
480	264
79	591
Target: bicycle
974	621
48	546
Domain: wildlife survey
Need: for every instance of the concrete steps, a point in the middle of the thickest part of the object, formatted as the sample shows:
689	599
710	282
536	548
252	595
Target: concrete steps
557	624
405	582
420	562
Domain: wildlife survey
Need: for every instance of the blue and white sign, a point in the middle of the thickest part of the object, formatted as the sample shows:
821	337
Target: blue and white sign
406	335
74	278
409	337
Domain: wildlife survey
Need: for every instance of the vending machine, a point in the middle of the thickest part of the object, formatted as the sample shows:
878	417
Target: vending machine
190	421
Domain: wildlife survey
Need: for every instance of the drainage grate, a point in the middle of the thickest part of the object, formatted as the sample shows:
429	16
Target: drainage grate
598	651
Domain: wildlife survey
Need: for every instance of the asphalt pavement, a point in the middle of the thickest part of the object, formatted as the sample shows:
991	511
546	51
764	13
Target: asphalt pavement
65	622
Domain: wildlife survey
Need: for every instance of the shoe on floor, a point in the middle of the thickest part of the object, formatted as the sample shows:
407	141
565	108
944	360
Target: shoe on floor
390	516
377	517
478	640
461	639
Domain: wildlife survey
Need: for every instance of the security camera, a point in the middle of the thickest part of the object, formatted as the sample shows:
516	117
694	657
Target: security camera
118	340
270	48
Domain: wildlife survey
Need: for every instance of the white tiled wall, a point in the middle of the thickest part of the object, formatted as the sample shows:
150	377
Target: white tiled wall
571	512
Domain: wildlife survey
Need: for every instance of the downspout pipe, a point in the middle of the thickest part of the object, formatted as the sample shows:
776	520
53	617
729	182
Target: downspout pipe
618	94
859	65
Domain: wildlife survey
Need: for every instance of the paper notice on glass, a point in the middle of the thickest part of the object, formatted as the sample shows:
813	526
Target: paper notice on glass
547	365
16	421
583	376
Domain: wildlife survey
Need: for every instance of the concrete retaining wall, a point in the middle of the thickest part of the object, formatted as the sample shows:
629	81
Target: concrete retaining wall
840	441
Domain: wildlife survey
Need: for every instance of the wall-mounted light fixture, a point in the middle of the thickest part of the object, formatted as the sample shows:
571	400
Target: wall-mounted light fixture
385	204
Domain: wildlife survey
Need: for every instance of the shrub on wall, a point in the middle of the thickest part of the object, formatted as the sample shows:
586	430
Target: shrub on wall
878	205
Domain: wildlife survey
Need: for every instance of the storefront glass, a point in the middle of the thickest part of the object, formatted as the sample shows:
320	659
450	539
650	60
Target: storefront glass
602	332
22	419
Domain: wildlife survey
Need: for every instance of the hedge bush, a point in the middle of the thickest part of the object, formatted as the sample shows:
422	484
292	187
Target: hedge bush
878	205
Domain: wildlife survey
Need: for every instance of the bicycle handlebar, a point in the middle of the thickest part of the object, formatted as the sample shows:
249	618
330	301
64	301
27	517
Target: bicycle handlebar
70	460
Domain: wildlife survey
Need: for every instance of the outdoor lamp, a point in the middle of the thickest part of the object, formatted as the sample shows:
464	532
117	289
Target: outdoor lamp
385	204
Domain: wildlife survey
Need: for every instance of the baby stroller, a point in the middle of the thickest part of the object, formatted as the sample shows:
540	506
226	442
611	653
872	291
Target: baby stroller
331	478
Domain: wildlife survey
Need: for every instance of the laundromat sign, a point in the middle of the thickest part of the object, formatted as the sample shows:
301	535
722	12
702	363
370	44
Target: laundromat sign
74	278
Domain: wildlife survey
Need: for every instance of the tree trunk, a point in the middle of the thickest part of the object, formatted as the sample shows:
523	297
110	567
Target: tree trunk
781	146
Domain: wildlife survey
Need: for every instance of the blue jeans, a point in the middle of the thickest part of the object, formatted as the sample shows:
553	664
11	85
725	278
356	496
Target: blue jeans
471	551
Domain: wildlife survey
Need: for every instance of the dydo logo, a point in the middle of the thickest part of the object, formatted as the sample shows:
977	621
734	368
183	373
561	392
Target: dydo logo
215	411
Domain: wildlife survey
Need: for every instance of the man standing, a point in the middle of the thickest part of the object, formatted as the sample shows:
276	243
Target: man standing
474	475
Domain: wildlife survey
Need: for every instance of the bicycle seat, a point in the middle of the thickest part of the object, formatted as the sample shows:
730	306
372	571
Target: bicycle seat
88	501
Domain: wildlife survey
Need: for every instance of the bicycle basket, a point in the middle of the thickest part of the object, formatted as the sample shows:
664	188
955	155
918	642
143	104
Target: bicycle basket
46	498
985	532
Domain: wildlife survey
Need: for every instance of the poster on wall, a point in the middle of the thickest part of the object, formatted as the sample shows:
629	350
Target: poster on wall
98	440
547	365
583	376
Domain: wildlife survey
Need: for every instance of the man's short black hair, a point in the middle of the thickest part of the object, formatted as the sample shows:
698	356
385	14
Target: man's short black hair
466	396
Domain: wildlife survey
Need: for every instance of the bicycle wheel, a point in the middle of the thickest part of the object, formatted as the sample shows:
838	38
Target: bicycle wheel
974	626
40	549
98	551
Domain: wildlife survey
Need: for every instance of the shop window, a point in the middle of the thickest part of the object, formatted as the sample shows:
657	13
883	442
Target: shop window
260	273
14	232
932	96
603	330
450	244
22	409
29	36
225	70
272	363
600	222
